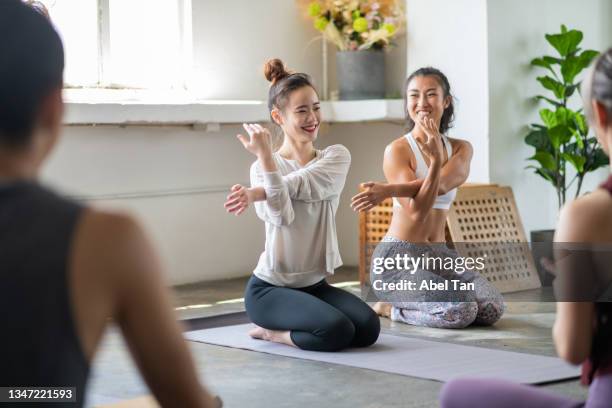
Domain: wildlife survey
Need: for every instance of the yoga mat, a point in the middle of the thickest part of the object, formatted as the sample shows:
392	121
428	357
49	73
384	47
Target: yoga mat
409	356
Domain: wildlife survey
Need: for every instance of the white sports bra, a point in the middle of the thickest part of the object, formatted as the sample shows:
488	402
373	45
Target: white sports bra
443	202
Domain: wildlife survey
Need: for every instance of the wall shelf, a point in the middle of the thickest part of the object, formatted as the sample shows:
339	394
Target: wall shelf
172	110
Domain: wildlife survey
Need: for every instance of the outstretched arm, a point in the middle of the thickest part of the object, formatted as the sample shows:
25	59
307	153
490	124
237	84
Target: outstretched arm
376	193
321	180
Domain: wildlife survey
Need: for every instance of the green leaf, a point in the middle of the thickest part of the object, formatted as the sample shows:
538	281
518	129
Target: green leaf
546	174
598	158
587	56
569	90
576	161
553	85
566	42
570	68
538	138
551	101
574	64
564	116
548	117
559	135
546	160
547	63
593	154
581	124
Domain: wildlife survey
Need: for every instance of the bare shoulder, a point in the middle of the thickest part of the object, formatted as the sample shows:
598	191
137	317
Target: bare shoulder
587	219
398	151
102	225
108	240
461	145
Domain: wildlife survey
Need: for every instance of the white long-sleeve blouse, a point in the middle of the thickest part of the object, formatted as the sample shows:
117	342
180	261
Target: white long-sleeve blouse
299	212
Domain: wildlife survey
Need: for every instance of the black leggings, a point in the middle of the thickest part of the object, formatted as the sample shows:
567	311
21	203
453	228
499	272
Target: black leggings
320	317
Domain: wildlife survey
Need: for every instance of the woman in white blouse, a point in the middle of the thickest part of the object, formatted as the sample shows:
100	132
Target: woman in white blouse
296	191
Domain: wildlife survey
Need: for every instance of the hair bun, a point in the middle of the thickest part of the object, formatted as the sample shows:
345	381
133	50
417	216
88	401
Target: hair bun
275	70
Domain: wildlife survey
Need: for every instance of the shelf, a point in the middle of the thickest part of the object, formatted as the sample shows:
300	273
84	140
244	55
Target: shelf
109	109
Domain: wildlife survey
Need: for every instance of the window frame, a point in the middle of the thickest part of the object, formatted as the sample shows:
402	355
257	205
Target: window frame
104	81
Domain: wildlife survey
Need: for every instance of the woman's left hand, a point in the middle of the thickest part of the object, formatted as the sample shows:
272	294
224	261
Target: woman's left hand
432	147
374	194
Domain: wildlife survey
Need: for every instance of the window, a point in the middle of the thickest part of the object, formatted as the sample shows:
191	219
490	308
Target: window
125	43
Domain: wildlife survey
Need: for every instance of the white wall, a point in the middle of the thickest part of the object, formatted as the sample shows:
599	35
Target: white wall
452	36
197	240
516	35
233	39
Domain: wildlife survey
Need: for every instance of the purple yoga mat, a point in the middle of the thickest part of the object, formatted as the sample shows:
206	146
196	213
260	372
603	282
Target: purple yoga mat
409	356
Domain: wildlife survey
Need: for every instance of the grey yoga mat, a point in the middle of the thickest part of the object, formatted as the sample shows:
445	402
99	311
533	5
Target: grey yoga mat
409	356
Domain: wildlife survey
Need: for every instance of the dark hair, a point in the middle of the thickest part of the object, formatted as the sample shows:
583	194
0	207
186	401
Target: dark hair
601	80
39	7
32	66
449	113
283	82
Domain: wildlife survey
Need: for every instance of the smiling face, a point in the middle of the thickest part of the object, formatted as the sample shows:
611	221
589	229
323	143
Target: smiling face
425	97
300	118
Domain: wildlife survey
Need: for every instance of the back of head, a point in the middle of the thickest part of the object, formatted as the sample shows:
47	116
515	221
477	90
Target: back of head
598	85
31	68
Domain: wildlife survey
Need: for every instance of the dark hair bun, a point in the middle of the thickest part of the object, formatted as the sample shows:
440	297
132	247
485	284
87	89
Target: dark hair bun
275	70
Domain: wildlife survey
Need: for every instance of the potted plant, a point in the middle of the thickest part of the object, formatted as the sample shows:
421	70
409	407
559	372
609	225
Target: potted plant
563	136
361	30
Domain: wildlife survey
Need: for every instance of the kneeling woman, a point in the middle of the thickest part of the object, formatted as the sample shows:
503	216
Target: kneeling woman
424	169
296	191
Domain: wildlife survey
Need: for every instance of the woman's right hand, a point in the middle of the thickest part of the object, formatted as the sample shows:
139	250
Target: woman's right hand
259	141
239	200
374	194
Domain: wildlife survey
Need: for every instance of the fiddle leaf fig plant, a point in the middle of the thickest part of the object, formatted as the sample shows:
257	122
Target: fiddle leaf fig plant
563	135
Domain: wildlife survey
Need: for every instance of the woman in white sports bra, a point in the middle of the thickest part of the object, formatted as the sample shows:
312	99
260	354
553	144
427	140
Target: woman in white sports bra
423	170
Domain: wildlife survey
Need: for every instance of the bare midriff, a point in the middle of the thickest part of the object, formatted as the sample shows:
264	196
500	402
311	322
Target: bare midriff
404	226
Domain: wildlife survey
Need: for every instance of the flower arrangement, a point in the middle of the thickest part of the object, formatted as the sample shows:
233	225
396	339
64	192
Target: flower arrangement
353	25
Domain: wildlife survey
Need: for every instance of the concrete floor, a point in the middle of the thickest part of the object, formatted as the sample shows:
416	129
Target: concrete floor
249	379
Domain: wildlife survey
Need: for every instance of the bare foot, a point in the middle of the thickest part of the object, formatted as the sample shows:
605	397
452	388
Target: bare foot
282	337
382	309
259	333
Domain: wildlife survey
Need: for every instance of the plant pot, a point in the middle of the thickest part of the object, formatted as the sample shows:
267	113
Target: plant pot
361	74
542	247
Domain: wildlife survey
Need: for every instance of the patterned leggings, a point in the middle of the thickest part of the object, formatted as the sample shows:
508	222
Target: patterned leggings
483	305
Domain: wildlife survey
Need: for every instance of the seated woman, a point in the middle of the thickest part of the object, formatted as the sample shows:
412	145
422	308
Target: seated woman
424	169
66	268
296	191
583	329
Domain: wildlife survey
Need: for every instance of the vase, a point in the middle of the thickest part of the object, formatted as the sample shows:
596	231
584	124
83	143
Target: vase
542	247
361	74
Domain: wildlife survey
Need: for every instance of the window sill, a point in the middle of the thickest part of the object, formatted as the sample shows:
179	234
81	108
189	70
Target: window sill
118	107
